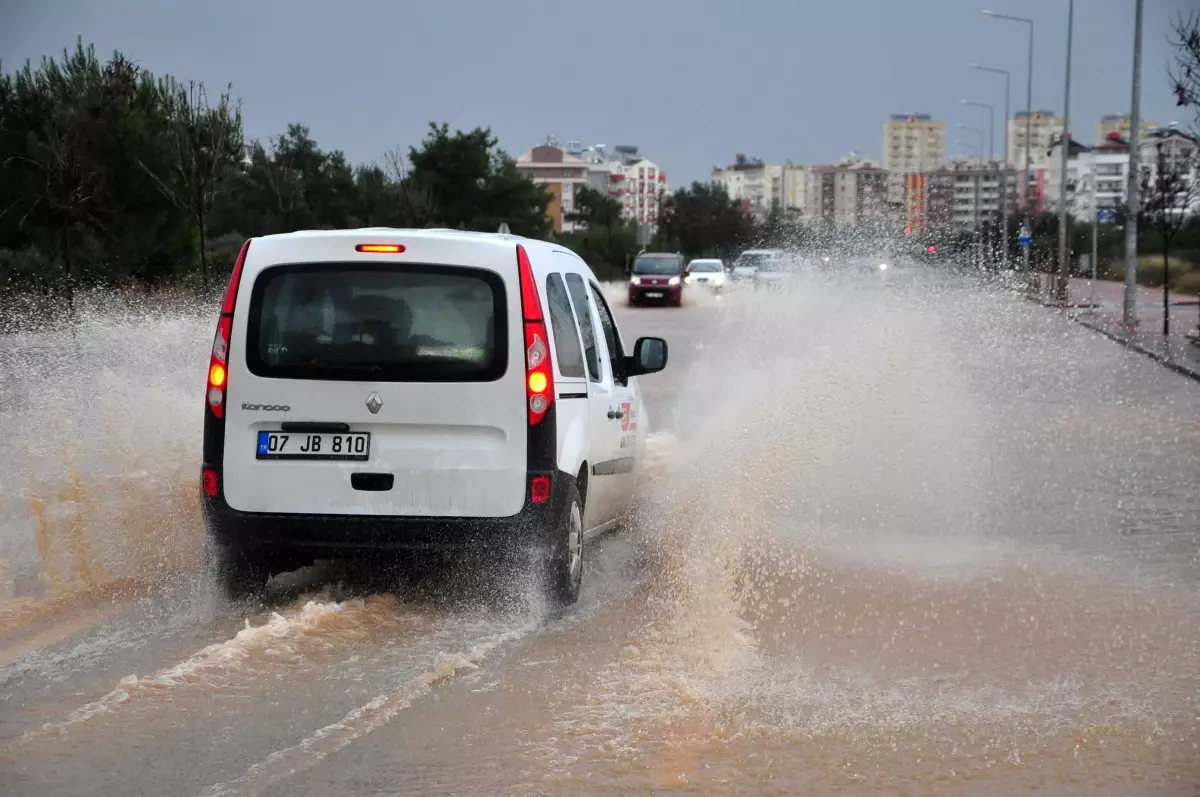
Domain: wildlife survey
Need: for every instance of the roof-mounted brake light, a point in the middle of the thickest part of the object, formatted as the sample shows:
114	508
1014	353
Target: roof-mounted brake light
380	249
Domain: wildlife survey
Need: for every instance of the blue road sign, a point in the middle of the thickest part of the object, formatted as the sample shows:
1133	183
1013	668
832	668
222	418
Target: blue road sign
1024	240
1106	214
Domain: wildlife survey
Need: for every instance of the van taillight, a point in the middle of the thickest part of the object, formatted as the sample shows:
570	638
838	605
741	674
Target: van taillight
539	371
218	363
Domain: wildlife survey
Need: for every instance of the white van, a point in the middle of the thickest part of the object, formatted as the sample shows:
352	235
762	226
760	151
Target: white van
406	389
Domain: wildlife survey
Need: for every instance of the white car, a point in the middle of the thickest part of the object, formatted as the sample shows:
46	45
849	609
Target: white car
752	261
414	389
709	272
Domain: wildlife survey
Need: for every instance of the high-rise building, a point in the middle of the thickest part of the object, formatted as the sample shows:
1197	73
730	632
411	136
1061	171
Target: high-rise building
1119	123
913	143
1044	129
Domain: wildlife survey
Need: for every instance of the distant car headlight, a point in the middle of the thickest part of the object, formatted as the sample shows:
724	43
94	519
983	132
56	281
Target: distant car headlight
635	280
673	281
883	266
688	279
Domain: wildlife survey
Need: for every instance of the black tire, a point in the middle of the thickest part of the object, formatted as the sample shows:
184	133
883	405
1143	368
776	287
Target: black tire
240	574
564	562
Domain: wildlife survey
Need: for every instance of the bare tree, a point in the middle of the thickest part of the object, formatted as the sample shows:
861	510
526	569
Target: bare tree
1185	71
1185	74
1169	193
417	202
205	142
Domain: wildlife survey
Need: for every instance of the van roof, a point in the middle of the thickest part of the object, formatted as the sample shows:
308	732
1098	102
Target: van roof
407	232
457	246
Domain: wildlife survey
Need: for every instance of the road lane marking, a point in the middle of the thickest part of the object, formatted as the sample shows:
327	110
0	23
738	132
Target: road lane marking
360	722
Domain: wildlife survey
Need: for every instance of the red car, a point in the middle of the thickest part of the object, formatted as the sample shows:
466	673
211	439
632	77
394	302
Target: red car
657	277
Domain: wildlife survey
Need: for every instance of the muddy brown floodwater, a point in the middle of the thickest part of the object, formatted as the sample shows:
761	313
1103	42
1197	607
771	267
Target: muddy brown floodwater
902	536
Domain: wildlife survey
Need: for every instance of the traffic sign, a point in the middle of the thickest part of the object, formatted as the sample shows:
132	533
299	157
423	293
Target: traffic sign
1106	214
1024	238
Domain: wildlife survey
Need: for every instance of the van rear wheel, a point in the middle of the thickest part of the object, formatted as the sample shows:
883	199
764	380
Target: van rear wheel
241	574
564	566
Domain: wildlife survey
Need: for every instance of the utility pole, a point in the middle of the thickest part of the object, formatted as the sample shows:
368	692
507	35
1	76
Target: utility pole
1134	201
1028	135
1063	216
1025	202
1095	242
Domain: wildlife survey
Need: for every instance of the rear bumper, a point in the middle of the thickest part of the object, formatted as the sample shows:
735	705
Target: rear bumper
343	534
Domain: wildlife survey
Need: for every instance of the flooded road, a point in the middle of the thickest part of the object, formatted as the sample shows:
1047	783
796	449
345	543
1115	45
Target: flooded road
903	537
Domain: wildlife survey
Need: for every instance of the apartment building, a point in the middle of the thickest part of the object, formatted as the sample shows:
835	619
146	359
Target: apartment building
560	174
641	186
790	190
750	181
850	193
913	143
966	192
636	182
1121	124
1173	149
1097	177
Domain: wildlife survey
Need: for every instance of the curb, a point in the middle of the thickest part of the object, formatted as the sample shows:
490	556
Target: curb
1162	359
1158	357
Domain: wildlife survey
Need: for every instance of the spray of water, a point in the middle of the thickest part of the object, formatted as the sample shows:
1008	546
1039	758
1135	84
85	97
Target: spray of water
99	457
852	559
848	536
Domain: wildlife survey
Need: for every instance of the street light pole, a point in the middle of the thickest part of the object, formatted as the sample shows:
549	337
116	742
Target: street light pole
1134	201
1025	203
1063	271
991	124
978	196
1003	162
986	243
1095	239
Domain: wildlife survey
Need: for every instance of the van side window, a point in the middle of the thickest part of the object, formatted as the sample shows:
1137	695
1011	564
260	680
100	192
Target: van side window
611	337
567	350
579	300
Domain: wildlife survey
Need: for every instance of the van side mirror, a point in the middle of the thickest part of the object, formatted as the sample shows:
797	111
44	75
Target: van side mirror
649	357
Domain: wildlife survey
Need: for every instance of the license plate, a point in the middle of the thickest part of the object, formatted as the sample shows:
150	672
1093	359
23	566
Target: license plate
352	446
654	295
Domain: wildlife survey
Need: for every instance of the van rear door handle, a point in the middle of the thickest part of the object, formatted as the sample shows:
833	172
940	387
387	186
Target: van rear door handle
616	414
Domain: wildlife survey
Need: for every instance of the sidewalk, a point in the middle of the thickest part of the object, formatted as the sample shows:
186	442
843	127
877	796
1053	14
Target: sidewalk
1176	351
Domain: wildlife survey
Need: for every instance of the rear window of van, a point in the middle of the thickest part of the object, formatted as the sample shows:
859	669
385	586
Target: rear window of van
377	322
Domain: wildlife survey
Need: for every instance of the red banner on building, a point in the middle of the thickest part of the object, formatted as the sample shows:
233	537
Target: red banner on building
914	201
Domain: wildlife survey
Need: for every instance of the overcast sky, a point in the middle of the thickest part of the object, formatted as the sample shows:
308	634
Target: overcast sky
691	82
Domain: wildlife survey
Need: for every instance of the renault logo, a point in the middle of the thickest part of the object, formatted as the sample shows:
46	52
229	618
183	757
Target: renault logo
374	402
